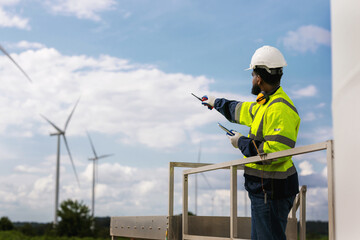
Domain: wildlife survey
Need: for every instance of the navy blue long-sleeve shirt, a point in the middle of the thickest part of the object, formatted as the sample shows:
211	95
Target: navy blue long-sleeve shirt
227	109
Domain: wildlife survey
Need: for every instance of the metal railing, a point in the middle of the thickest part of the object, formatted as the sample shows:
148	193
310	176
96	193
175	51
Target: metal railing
238	165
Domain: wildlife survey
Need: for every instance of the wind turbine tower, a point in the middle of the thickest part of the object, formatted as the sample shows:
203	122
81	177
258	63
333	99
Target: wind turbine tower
95	162
62	133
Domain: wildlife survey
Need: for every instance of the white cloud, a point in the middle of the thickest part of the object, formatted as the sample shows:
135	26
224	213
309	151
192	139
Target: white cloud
126	191
309	91
42	186
127	15
82	9
307	38
26	45
7	154
121	190
117	184
324	172
28	169
163	138
317	203
306	168
320	105
139	103
319	134
319	157
10	20
109	173
8	2
310	116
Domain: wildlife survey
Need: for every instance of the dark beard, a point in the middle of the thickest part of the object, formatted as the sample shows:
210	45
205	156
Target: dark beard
255	89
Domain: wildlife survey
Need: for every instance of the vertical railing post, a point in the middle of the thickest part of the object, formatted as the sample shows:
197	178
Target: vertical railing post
331	193
171	189
185	206
302	214
292	213
233	202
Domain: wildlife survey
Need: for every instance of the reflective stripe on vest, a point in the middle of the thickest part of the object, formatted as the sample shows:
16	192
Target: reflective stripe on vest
270	174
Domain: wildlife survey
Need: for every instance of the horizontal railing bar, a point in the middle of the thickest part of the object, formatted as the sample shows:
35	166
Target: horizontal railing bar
188	164
240	162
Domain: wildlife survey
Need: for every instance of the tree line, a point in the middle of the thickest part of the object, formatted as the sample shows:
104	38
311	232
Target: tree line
75	221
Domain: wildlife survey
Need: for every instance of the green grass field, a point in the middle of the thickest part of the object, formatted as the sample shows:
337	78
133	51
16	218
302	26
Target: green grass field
316	237
15	235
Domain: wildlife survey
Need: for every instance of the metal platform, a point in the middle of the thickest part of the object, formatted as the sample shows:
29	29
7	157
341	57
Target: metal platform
218	228
199	227
157	227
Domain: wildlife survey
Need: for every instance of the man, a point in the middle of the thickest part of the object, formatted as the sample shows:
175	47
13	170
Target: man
274	124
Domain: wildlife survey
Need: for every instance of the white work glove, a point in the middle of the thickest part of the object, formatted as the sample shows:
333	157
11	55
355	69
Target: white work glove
234	138
208	101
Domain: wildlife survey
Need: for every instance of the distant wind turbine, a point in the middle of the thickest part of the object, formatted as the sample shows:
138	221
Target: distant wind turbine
95	162
8	55
196	186
61	133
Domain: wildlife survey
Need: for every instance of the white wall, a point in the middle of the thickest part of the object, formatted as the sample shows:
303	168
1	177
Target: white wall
345	21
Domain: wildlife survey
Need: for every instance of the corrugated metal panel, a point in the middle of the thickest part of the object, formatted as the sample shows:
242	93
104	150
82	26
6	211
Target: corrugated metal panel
144	227
154	227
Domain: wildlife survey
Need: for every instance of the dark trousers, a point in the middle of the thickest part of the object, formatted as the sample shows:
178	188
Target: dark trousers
268	220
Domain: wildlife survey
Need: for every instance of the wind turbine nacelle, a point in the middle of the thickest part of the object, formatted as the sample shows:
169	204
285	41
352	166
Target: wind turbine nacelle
58	133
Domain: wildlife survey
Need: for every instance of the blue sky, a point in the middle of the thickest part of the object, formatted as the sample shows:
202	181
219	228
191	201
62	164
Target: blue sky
134	64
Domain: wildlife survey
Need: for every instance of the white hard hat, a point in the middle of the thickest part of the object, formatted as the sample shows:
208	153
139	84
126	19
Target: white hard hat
267	57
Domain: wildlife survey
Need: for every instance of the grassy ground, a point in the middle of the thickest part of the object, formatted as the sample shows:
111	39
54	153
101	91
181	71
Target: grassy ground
15	235
316	237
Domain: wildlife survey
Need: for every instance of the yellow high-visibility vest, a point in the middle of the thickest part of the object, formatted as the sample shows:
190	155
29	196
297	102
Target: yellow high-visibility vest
275	124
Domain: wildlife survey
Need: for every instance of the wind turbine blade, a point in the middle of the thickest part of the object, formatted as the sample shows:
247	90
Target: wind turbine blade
92	145
68	120
105	156
72	162
52	124
8	55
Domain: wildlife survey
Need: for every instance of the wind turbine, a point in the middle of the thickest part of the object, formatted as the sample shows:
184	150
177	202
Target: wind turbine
95	162
58	134
196	186
8	55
